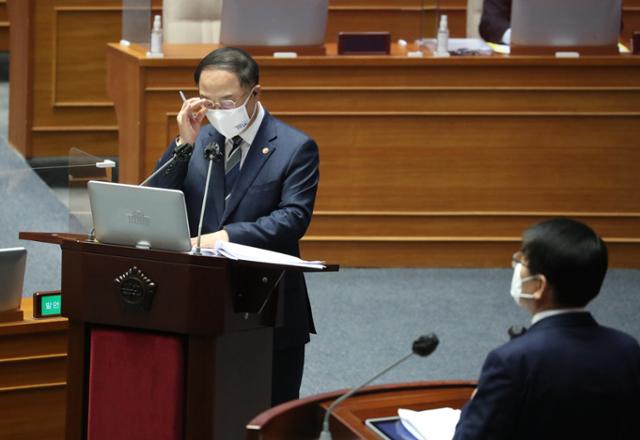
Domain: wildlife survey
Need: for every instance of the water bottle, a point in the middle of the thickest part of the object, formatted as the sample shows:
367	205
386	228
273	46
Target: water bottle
442	41
156	36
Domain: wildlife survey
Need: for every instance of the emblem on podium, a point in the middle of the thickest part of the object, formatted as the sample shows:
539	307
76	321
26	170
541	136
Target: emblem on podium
136	289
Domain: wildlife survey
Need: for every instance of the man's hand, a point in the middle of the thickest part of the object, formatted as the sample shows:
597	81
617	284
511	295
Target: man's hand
190	118
209	240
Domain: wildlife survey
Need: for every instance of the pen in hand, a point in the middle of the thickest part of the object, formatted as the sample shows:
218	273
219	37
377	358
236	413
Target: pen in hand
192	116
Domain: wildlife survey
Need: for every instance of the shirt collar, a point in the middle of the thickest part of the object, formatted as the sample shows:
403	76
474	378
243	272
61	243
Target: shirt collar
553	312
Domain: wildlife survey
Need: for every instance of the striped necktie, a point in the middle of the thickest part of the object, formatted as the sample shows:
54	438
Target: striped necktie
232	166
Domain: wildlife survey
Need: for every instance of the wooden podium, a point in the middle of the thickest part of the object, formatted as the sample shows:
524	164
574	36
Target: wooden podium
217	314
302	419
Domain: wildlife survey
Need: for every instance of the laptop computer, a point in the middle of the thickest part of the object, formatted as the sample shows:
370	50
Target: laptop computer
274	22
140	216
586	26
12	266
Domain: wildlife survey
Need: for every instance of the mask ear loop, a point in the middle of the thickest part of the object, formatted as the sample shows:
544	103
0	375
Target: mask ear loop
527	295
255	107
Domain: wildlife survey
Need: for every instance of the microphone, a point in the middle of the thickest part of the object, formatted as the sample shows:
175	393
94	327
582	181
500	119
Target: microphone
212	153
181	152
516	331
423	346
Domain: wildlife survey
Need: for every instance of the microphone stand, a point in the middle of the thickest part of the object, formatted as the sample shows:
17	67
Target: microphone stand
181	152
423	346
212	153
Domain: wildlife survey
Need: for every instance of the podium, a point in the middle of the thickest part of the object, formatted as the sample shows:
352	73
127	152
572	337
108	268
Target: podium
164	345
302	419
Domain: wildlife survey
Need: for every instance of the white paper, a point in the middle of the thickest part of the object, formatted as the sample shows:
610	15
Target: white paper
431	424
471	44
235	251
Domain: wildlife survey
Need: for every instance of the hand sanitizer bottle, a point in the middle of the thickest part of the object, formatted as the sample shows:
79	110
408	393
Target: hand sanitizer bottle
156	38
442	41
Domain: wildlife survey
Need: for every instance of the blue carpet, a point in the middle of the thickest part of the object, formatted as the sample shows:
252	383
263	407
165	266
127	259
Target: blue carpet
366	319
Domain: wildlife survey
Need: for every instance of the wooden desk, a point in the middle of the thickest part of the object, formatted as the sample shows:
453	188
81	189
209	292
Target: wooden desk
33	355
302	419
428	162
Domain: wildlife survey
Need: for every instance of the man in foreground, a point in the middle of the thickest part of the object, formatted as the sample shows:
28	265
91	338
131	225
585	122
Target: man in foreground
567	377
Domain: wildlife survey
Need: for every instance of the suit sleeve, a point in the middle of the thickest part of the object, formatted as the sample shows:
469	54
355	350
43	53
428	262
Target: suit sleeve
491	413
173	176
284	226
495	20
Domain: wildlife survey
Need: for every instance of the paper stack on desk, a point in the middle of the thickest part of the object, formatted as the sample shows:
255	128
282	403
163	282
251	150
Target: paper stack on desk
237	251
431	424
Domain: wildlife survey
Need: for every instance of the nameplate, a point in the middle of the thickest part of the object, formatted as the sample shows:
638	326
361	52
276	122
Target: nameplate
364	43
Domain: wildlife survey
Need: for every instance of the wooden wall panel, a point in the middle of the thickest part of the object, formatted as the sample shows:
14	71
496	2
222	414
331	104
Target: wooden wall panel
33	414
33	377
25	371
376	162
4	26
75	82
408	224
461	252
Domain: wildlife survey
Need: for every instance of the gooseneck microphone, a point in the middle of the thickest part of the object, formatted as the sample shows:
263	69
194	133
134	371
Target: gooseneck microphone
212	153
423	346
182	153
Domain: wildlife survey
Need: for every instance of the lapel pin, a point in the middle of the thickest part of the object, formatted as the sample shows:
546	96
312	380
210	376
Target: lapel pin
265	150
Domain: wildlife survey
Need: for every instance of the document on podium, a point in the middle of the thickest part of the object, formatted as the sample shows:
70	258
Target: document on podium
431	424
235	251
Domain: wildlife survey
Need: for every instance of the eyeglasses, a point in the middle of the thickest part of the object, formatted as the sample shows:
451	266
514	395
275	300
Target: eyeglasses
517	258
225	104
228	104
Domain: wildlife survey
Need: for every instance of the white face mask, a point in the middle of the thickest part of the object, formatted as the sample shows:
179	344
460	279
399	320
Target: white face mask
231	122
516	285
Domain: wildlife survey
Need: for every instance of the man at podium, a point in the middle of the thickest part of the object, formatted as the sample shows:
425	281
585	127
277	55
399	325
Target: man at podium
567	377
263	188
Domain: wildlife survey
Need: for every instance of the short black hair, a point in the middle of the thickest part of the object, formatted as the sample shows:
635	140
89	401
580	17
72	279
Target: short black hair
570	255
234	60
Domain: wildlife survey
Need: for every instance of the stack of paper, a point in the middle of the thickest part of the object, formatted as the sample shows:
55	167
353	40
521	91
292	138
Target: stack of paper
432	424
236	251
476	45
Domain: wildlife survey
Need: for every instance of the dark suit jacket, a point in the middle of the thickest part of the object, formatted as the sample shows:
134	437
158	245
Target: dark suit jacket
270	206
566	378
495	20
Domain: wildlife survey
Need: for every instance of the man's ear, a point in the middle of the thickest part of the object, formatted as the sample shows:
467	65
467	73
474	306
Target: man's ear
543	288
256	90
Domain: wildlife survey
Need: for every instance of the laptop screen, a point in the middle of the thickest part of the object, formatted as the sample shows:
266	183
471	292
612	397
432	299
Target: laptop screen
12	267
565	23
274	22
144	217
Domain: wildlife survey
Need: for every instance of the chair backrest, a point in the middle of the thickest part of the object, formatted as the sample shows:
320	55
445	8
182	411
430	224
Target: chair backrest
191	21
474	13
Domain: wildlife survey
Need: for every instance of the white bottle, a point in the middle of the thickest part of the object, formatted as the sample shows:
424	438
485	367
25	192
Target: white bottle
442	41
156	37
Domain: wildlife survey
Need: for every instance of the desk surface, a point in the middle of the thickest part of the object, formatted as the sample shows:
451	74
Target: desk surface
30	324
181	54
